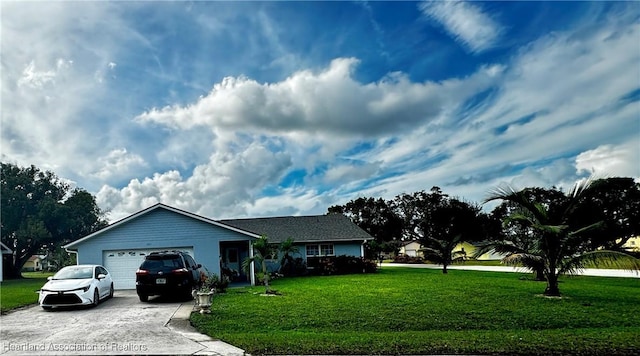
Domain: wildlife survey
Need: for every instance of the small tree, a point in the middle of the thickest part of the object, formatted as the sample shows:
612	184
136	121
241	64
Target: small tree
556	242
287	249
261	251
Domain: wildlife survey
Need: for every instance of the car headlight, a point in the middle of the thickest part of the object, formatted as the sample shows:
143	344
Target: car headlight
86	289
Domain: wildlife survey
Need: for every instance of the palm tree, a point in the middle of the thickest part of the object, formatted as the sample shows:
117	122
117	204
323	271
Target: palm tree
287	249
442	251
261	251
556	244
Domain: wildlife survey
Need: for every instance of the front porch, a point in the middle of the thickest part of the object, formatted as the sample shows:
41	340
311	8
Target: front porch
232	253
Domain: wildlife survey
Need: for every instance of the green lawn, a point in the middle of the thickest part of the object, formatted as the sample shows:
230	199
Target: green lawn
422	311
21	292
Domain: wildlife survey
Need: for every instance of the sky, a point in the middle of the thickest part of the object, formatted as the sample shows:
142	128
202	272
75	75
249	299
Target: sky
251	109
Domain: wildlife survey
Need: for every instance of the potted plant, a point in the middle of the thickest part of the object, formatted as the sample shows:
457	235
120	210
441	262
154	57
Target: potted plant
205	291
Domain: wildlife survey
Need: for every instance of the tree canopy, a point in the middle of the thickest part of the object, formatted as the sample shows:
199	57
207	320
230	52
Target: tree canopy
438	221
40	212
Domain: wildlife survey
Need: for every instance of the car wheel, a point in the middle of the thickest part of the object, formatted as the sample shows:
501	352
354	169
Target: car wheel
143	297
47	308
96	297
111	291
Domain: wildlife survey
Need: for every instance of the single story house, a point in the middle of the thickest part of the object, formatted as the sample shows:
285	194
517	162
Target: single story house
122	245
411	248
6	254
34	264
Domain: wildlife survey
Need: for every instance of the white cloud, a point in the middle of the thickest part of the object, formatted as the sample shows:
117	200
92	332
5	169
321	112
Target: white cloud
607	160
327	102
466	22
223	187
118	164
349	173
34	79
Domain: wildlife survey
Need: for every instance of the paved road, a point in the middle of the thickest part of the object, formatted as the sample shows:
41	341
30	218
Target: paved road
585	272
121	325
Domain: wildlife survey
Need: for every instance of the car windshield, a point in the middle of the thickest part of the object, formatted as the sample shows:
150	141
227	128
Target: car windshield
74	273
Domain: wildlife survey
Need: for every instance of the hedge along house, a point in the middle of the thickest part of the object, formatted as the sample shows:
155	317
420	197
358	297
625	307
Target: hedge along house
122	246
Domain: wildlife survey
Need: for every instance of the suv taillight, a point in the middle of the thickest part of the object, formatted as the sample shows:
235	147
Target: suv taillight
142	271
180	270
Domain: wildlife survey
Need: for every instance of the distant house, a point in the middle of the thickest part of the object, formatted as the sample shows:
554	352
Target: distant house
122	246
633	244
34	264
411	248
6	258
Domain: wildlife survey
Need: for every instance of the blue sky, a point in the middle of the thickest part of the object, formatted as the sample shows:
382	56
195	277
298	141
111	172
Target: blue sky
236	109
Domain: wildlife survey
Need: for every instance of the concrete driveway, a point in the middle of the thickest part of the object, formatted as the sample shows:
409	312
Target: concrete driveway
121	325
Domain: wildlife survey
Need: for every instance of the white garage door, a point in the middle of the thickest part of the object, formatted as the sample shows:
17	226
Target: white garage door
122	264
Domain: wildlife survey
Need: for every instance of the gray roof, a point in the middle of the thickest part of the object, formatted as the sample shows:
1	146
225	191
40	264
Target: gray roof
317	228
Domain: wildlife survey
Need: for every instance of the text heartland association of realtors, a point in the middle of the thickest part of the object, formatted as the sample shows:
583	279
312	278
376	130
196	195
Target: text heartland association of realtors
81	347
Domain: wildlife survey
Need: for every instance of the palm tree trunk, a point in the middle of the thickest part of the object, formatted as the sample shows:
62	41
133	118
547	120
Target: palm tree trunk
539	272
265	273
552	289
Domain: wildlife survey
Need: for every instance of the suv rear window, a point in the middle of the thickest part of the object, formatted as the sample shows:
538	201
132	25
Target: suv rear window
162	263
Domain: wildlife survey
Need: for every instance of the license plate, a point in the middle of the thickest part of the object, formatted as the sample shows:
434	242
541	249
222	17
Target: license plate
161	281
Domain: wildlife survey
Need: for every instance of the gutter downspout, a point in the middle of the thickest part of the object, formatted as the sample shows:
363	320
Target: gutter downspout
76	252
252	272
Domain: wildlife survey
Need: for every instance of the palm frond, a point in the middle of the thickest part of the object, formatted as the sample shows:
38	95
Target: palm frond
525	259
246	264
587	228
582	186
600	258
500	247
509	193
501	192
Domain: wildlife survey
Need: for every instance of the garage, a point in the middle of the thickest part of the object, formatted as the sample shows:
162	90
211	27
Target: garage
122	264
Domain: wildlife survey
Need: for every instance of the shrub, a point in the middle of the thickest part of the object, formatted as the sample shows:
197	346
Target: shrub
341	265
294	267
211	281
407	259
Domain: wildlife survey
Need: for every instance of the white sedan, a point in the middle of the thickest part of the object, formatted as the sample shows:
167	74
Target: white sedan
76	285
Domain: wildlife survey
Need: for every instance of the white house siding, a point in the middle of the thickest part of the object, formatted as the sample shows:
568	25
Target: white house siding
160	229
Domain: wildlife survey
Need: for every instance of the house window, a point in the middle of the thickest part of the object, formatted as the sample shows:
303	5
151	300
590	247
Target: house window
320	250
326	250
313	250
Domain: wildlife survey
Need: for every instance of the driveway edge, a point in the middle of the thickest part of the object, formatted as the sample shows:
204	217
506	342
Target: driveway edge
180	323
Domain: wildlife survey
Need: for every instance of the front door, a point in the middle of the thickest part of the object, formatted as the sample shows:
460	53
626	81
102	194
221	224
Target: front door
231	259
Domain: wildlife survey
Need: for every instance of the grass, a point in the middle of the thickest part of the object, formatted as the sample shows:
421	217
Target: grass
15	293
422	311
